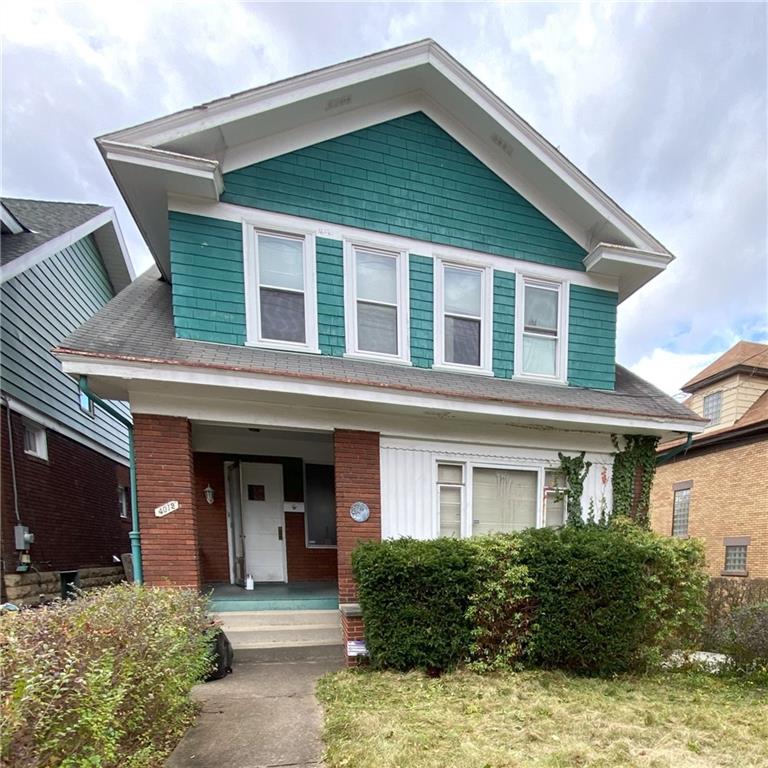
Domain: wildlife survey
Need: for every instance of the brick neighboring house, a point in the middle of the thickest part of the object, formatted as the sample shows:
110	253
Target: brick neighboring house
383	303
717	488
64	465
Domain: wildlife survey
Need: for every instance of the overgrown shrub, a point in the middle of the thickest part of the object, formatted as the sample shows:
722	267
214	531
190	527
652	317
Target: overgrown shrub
501	609
724	595
414	596
103	680
743	636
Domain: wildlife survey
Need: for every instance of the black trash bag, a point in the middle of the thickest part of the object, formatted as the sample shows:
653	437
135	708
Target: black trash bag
221	650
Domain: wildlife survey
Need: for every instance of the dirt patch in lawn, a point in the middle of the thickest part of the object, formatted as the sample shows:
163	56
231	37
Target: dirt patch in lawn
462	720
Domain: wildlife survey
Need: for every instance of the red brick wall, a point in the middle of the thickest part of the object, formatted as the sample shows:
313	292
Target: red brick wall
306	564
358	478
69	502
211	518
165	472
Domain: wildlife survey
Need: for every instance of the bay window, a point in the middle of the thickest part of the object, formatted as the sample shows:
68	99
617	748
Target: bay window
463	319
280	291
376	299
540	319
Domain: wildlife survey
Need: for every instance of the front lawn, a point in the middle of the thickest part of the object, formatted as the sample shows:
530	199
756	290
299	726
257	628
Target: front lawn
463	720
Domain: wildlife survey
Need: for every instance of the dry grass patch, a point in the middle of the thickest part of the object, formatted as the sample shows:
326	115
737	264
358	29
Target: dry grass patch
542	719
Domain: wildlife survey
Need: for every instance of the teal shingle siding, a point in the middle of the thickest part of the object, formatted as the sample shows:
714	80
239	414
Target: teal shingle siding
421	291
40	307
330	296
592	338
503	324
208	285
406	177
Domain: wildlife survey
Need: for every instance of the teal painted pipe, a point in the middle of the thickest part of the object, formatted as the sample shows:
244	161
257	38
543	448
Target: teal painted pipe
134	535
670	454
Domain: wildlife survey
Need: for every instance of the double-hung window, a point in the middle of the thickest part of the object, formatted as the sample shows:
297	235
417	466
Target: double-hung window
463	318
540	345
376	300
281	299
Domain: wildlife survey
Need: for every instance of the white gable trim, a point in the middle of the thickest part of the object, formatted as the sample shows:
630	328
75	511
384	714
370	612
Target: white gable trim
52	247
10	221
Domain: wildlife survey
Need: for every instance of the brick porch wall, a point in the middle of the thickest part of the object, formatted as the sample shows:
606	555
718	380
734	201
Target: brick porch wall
211	518
164	471
358	478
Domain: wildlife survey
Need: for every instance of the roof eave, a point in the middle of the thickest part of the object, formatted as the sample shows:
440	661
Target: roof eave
633	267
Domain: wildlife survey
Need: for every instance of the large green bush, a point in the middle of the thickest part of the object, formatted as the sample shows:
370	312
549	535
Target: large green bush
725	595
414	596
743	636
101	681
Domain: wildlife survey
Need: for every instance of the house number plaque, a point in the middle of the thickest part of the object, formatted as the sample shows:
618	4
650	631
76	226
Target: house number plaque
167	508
359	512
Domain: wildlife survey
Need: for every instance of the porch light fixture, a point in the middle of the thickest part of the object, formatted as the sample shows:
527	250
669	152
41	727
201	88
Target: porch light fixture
208	493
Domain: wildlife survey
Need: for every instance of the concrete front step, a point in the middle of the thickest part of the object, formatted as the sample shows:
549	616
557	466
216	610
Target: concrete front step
281	629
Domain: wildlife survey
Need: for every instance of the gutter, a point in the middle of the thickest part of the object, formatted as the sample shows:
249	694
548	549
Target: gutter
670	454
134	535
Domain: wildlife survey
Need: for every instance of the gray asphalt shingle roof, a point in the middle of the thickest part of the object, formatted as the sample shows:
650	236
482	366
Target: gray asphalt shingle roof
137	325
45	220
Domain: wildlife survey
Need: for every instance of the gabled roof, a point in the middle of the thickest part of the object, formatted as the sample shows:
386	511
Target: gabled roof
188	152
744	357
37	229
136	328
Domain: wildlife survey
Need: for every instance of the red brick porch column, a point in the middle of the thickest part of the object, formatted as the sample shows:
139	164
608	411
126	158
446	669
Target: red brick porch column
358	478
164	471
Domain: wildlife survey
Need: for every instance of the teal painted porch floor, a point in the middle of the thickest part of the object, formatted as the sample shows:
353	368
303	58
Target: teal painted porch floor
274	596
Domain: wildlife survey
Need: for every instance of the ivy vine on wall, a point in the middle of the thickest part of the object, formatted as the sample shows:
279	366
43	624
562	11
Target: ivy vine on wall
634	465
574	470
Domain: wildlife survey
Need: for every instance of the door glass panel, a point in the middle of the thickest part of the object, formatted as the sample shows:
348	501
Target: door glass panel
281	262
503	500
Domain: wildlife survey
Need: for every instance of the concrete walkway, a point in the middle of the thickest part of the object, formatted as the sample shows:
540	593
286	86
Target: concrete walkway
263	715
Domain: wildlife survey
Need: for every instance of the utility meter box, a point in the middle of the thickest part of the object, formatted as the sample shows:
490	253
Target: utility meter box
23	537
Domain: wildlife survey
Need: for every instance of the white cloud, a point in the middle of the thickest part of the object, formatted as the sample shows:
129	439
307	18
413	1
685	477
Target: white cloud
670	370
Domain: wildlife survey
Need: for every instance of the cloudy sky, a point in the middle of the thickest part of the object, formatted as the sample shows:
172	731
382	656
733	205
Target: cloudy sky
662	105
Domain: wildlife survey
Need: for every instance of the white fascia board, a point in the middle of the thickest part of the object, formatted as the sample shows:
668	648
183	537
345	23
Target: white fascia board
632	267
46	421
287	222
273	95
52	247
10	221
169	162
79	365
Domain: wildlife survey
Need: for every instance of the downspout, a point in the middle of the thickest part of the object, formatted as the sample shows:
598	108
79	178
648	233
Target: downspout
672	452
135	536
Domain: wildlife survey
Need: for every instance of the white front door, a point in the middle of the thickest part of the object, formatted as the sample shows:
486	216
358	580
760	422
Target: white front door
263	521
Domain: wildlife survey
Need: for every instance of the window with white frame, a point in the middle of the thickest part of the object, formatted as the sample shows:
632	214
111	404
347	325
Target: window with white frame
450	499
712	406
503	500
463	295
124	501
555	499
540	334
86	404
377	298
281	303
35	440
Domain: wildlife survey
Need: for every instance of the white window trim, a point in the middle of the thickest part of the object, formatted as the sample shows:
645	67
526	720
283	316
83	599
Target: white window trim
123	494
486	318
561	363
436	485
41	440
467	513
350	303
252	296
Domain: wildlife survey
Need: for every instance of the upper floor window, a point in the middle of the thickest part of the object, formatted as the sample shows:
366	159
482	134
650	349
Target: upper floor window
86	404
376	301
712	406
281	298
35	440
540	321
463	299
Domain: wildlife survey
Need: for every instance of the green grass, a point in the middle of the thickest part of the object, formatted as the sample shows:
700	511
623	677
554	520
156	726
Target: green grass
541	719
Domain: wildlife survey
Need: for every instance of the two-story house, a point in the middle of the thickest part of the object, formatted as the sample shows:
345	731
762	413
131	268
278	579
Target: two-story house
383	304
715	486
65	501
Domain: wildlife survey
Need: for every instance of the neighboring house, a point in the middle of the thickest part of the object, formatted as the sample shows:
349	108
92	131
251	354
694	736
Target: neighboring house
64	464
716	488
384	304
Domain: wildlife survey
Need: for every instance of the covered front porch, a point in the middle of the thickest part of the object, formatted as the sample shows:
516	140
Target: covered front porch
274	596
